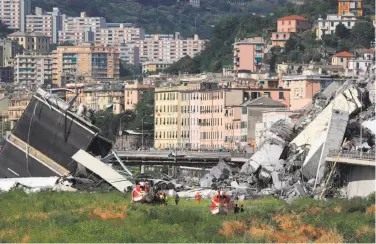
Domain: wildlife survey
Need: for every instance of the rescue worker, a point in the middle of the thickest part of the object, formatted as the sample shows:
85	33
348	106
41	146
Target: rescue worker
236	209
198	197
242	208
165	199
177	199
161	198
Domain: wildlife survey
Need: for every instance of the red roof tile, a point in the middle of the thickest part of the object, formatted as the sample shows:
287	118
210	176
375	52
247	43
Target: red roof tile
293	17
344	54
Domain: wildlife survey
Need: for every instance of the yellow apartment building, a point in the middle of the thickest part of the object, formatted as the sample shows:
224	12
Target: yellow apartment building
34	42
91	60
16	107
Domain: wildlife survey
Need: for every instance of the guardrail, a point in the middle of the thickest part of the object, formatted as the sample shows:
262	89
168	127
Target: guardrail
352	154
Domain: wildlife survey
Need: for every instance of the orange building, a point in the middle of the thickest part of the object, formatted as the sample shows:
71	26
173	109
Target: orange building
286	26
350	6
292	24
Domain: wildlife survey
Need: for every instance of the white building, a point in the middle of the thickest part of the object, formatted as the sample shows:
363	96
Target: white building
115	33
48	23
169	48
13	13
194	3
328	26
35	69
360	65
81	29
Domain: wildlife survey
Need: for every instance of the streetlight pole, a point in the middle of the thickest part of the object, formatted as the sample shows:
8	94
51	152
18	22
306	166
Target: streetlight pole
121	130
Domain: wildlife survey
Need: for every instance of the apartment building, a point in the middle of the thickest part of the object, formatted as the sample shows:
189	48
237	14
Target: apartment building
232	128
81	29
33	42
280	95
47	23
286	26
13	13
328	26
133	94
8	50
350	6
116	33
17	106
248	54
35	69
91	60
304	87
192	115
155	66
168	48
354	65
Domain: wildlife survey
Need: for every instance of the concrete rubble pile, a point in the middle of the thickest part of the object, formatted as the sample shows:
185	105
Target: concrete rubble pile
291	162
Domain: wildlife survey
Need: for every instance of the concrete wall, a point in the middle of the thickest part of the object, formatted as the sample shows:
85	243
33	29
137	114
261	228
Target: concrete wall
361	181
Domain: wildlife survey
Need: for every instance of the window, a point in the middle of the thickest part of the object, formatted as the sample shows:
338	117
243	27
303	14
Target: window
357	65
281	96
348	24
341	60
244	110
266	94
332	24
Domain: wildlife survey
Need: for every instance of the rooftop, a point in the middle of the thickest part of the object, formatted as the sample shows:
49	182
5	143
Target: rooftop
21	34
262	101
344	54
292	17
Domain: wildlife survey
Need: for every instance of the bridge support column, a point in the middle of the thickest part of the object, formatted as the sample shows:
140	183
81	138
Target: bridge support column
142	168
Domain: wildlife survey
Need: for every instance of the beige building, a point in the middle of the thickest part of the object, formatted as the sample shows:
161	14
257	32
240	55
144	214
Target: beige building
192	115
133	94
94	61
32	42
155	67
17	106
114	34
33	69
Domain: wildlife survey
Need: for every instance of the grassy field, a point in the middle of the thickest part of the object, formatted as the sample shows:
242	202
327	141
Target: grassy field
109	217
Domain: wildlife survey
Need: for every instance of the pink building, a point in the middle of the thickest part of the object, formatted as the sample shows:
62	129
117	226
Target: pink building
286	26
247	54
293	24
280	38
194	128
133	94
232	127
304	87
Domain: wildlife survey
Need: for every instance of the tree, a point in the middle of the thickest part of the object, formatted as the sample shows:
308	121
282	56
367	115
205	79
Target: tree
184	65
363	33
342	32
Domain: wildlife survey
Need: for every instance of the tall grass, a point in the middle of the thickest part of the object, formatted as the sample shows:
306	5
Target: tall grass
109	217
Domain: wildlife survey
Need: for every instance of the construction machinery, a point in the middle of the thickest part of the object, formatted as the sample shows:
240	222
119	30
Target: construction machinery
221	203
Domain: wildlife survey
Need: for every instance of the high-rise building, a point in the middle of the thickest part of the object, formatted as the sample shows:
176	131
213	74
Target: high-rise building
80	29
13	13
48	23
248	54
350	6
94	61
35	69
169	48
116	33
33	42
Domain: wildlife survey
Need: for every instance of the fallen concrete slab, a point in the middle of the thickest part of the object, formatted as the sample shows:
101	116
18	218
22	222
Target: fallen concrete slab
104	171
34	184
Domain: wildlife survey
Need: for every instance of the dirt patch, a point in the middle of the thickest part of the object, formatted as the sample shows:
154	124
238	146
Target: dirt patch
7	233
364	230
371	209
231	228
26	239
337	209
106	214
330	237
